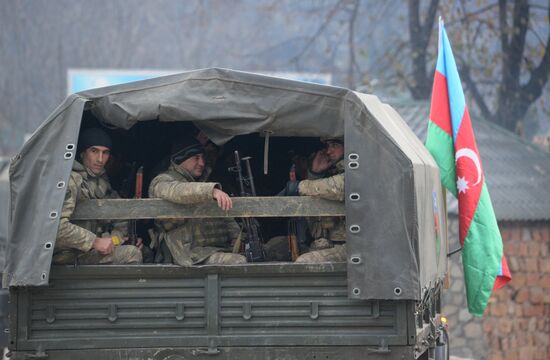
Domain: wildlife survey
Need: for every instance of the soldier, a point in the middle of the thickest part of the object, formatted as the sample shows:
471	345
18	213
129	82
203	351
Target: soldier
194	241
325	180
92	242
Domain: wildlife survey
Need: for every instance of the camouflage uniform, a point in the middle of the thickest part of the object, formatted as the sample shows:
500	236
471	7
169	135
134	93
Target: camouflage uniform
75	239
192	241
329	233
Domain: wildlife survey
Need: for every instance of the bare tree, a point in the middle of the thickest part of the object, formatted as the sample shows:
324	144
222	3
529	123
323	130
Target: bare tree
352	64
420	84
337	32
503	82
514	97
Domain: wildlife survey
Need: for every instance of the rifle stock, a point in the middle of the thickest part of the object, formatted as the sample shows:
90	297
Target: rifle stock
132	224
293	244
292	225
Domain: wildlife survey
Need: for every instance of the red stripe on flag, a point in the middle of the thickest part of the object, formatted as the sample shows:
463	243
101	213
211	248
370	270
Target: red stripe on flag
469	174
506	276
440	113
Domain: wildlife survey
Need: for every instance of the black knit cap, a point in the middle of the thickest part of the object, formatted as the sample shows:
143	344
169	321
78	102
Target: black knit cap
94	137
327	140
184	149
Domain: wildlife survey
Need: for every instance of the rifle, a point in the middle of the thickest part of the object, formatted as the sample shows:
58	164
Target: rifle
297	228
132	224
253	246
292	225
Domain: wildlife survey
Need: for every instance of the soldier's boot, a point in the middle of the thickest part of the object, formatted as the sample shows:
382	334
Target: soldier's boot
335	254
276	249
221	258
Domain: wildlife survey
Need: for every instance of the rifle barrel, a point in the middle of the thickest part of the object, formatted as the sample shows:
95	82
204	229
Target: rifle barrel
253	244
249	175
239	172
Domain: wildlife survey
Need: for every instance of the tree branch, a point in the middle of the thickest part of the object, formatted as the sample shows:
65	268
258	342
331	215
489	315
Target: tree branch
503	25
390	57
419	39
351	44
319	31
539	76
517	42
429	22
472	87
473	14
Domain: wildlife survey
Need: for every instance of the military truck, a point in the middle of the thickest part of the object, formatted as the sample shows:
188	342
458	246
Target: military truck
4	209
382	303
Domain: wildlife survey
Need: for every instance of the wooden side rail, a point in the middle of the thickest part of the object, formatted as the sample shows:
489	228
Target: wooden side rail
288	206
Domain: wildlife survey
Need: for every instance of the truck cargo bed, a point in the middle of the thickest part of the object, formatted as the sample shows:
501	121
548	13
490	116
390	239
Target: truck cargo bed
228	310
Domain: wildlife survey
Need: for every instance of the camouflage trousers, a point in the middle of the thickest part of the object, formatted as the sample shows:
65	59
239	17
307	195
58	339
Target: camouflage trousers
121	255
277	248
221	258
320	250
335	254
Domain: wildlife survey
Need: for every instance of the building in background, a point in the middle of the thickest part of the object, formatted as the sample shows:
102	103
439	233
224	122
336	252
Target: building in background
76	45
85	79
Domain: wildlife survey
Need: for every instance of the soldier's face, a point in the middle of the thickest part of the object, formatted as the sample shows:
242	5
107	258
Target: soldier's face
335	151
95	158
194	165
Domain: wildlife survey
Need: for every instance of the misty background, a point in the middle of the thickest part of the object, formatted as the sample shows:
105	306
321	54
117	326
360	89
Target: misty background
387	48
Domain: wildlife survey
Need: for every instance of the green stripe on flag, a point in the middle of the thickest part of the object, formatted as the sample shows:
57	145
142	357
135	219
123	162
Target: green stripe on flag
441	146
481	255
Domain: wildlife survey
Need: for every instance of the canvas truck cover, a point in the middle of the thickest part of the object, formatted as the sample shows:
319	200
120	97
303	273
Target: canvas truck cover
4	210
396	223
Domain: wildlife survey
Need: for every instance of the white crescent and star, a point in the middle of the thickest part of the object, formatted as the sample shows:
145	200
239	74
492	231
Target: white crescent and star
461	183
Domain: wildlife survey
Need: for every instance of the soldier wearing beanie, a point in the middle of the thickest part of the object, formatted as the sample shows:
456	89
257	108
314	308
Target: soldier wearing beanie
194	241
326	180
92	241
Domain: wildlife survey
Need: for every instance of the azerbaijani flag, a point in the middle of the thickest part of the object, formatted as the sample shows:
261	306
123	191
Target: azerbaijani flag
452	143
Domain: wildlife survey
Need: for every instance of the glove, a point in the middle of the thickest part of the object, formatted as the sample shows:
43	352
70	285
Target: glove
291	188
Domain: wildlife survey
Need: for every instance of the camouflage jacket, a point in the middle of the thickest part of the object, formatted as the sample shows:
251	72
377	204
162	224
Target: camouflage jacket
191	241
79	236
330	186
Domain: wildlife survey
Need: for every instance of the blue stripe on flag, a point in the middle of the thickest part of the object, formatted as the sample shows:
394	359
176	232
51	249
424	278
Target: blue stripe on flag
446	65
440	65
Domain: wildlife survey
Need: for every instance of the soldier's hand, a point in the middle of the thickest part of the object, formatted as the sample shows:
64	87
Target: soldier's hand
291	188
321	161
224	201
138	244
104	245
